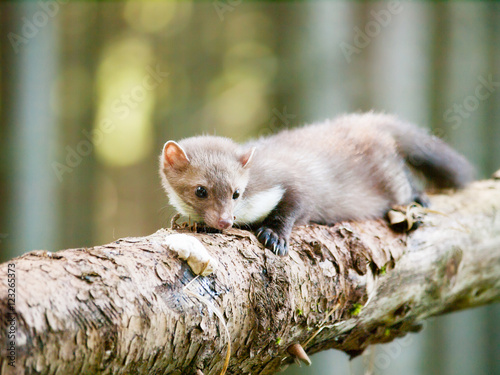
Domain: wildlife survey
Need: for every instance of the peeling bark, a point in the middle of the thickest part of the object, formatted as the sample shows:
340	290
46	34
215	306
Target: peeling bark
124	308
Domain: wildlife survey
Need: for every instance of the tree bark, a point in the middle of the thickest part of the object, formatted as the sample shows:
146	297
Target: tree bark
125	307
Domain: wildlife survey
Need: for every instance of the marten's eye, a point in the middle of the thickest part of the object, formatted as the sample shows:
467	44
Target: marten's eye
236	194
201	192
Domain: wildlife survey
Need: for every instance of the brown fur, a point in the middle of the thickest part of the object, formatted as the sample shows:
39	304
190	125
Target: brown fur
351	168
218	166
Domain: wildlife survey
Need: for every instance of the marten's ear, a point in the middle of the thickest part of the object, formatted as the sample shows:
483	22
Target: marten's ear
174	156
246	157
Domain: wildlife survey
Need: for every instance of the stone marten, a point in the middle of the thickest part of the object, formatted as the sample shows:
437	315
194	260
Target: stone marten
354	167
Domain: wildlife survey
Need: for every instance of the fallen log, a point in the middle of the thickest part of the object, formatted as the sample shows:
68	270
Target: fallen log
133	306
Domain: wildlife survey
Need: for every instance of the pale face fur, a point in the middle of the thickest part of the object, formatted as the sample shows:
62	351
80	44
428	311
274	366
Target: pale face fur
213	163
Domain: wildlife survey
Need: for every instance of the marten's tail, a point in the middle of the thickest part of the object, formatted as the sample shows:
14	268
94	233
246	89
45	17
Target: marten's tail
440	164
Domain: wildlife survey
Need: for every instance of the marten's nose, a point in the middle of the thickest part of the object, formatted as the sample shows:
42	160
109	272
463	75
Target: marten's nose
224	223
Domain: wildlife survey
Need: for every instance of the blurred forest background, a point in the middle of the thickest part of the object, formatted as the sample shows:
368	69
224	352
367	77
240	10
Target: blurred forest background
90	91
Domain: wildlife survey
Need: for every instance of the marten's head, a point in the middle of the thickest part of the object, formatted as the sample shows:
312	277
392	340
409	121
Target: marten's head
205	177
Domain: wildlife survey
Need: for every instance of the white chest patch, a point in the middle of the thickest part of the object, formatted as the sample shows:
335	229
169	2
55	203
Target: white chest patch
255	208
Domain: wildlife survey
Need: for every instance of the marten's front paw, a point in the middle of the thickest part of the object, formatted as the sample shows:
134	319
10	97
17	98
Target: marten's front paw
422	199
272	241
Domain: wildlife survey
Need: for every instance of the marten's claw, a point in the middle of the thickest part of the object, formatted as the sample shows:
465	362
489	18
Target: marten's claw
272	241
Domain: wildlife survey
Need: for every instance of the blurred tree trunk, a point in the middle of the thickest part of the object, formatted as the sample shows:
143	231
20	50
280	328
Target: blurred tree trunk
29	65
79	45
7	83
